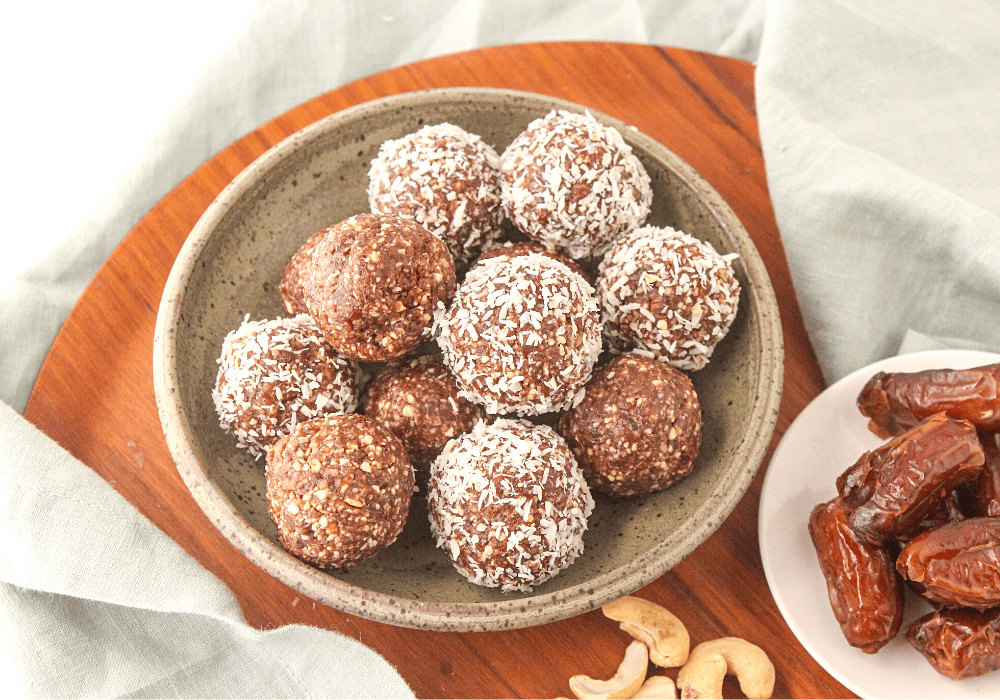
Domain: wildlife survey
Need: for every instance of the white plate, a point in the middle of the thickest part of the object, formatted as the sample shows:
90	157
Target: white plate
824	440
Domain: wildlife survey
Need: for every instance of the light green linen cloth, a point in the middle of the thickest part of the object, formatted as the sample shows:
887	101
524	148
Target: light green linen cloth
880	125
97	602
116	103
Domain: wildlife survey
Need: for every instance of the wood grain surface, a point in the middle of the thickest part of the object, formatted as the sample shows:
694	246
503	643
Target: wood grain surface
95	395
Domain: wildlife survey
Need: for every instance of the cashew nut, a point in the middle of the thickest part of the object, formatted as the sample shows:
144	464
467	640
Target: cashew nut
702	675
624	684
658	687
655	626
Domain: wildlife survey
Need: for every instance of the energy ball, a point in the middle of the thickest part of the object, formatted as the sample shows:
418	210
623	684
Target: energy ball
637	429
290	287
512	250
276	374
522	335
372	284
571	183
444	178
668	295
419	402
338	489
509	504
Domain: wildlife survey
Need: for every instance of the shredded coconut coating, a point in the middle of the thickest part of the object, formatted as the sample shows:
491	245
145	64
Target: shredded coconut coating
571	183
444	178
638	428
522	335
338	489
278	373
509	504
668	295
419	402
512	250
372	284
290	287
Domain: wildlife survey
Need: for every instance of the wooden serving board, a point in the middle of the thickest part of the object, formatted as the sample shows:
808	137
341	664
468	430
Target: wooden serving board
95	395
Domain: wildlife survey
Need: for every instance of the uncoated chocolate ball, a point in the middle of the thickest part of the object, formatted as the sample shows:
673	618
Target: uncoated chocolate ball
419	402
372	284
338	489
638	428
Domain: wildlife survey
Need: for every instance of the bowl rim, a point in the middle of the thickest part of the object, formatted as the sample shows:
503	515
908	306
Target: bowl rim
478	616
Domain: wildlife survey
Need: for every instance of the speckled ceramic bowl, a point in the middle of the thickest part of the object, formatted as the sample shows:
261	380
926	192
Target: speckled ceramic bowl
230	267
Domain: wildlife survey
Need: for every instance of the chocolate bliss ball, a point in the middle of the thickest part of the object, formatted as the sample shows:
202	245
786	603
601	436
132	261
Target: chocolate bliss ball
638	428
338	489
372	284
509	504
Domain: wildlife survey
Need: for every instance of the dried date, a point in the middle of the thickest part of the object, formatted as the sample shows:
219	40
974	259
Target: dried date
895	402
957	564
986	488
893	489
947	509
865	591
958	642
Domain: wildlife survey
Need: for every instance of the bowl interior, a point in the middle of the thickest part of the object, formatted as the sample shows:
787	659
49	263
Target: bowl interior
230	268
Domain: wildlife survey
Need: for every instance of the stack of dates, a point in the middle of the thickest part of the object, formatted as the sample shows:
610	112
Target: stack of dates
922	510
